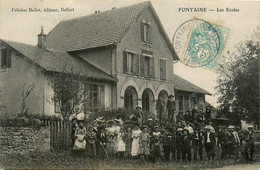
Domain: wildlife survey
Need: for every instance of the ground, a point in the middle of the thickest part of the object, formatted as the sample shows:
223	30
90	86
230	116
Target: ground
255	166
64	159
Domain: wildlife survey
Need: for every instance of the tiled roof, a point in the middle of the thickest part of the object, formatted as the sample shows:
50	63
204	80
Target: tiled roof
58	61
100	29
184	85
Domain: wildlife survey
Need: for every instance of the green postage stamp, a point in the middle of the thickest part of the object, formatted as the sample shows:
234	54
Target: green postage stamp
204	43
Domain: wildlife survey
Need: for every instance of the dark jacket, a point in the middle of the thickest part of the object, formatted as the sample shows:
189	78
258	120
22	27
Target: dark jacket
179	140
250	137
197	139
222	138
170	105
211	137
186	142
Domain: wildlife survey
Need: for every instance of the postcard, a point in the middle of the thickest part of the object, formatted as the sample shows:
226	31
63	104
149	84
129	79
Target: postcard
113	84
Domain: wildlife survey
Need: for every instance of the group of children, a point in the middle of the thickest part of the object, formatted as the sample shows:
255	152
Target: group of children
154	140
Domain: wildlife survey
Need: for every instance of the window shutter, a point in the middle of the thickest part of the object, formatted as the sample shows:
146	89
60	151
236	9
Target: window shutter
163	69
136	69
152	72
142	60
148	33
9	58
142	31
124	62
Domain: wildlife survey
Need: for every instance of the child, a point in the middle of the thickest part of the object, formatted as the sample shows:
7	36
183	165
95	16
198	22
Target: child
186	146
73	130
129	140
121	142
110	132
156	149
101	143
116	128
179	143
169	146
136	138
197	143
145	143
91	143
80	142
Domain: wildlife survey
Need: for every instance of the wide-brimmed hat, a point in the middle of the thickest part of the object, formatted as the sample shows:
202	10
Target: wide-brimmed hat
171	96
138	106
207	127
156	127
144	126
94	121
117	120
186	130
100	119
179	129
90	126
221	126
250	127
231	127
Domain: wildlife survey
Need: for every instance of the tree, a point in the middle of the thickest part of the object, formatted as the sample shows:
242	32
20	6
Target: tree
69	92
238	81
25	94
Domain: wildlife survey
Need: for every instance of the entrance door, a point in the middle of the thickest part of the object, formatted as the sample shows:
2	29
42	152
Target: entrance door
130	98
145	101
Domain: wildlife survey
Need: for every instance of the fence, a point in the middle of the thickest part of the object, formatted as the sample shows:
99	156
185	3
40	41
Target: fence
60	132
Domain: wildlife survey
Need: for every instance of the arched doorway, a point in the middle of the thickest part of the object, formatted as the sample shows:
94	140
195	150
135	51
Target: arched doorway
147	100
130	98
164	95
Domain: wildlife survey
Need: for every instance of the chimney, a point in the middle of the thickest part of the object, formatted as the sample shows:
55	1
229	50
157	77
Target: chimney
42	40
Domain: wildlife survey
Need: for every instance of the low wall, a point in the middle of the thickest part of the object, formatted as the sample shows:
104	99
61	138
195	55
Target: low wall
24	139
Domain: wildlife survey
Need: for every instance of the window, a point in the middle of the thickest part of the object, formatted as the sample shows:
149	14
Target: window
180	103
162	69
5	58
95	95
147	65
57	107
193	102
145	31
130	63
186	103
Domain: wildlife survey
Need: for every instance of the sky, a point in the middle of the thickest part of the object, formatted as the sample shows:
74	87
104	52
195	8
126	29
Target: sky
24	26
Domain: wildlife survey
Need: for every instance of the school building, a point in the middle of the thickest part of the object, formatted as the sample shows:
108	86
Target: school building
125	54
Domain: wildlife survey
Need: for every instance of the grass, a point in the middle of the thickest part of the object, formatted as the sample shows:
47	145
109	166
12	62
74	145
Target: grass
64	159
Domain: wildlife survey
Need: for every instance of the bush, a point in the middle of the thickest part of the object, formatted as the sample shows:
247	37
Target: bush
31	120
21	122
45	117
110	114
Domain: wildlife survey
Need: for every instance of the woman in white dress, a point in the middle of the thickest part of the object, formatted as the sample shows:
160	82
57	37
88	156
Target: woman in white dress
135	144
